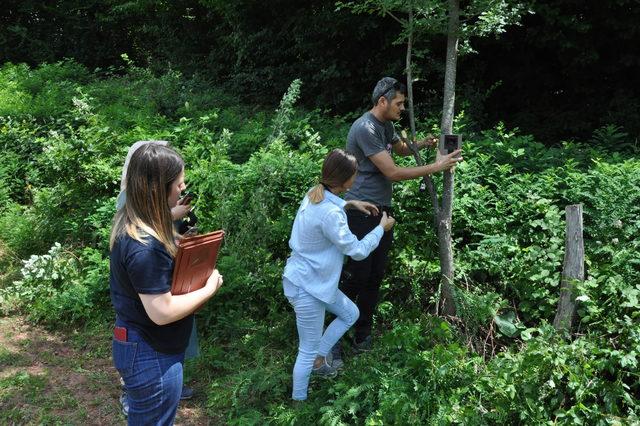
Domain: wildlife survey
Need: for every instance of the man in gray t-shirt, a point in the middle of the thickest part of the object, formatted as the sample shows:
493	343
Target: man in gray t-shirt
369	136
372	139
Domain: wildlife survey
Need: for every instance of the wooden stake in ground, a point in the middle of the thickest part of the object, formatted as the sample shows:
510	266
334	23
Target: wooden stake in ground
573	270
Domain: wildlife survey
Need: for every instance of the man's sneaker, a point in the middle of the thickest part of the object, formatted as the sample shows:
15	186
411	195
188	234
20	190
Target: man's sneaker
336	356
325	371
187	392
363	345
124	404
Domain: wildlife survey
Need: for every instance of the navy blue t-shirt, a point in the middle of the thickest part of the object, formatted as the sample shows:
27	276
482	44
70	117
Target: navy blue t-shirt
138	268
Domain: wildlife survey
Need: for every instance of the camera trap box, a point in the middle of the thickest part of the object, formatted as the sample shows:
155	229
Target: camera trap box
449	143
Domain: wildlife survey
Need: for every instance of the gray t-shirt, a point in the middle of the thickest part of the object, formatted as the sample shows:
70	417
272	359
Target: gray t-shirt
369	136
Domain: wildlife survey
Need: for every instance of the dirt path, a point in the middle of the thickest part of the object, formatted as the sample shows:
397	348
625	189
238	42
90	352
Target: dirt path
56	378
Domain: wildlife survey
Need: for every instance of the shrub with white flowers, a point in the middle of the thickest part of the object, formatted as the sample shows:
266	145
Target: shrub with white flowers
51	268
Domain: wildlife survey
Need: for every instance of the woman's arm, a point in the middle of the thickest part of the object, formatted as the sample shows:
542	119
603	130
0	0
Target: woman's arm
363	206
336	229
166	308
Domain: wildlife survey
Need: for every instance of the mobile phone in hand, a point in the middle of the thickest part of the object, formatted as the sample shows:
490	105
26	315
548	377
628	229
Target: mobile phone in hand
189	197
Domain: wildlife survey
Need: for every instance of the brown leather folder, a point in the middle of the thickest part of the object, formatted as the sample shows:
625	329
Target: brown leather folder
195	261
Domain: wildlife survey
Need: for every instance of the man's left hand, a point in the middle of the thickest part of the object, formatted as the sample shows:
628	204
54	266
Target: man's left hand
429	142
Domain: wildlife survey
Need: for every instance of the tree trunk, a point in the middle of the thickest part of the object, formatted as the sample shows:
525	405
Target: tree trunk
407	70
447	297
412	116
573	269
427	182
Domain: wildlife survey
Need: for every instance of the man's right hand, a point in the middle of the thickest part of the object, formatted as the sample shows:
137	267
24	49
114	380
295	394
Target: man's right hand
387	222
446	162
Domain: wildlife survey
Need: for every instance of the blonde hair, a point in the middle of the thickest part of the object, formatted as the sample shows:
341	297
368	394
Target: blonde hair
338	167
151	172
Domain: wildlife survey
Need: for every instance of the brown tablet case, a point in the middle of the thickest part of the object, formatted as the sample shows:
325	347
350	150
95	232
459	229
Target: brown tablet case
195	261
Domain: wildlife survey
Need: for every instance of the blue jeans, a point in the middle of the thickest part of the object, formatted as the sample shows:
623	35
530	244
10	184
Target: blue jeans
153	380
310	321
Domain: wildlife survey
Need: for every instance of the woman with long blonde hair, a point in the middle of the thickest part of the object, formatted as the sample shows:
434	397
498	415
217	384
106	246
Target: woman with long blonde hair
152	325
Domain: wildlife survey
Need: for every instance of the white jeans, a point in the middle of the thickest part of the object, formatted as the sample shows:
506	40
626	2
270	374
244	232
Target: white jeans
310	321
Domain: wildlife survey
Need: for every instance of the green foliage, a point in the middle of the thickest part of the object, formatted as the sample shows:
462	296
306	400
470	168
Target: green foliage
256	211
285	110
479	18
253	49
17	224
498	363
8	170
612	136
548	379
42	92
58	287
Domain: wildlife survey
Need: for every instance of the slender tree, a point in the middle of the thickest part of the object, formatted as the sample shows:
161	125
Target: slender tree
444	213
419	19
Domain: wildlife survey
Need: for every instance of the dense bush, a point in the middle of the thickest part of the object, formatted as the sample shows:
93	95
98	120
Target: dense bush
59	287
499	362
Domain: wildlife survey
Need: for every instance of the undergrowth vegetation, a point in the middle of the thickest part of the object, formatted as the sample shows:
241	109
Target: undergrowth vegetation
64	133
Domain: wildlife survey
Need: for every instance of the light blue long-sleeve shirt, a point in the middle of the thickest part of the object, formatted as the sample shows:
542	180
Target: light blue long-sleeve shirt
319	239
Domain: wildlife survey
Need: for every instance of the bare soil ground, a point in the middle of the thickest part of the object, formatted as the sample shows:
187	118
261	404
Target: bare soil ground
65	378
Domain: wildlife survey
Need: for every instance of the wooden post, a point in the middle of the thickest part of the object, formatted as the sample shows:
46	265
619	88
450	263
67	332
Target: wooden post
573	269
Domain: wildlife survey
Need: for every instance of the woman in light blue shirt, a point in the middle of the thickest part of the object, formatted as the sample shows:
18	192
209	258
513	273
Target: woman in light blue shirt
319	239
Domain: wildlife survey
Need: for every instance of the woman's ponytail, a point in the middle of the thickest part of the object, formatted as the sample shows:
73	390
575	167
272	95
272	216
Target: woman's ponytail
316	194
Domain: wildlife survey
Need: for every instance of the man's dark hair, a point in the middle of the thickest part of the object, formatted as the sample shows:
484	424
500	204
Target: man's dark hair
387	87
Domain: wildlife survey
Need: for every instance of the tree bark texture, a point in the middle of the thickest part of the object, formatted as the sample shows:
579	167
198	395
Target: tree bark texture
427	182
412	116
573	269
447	297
